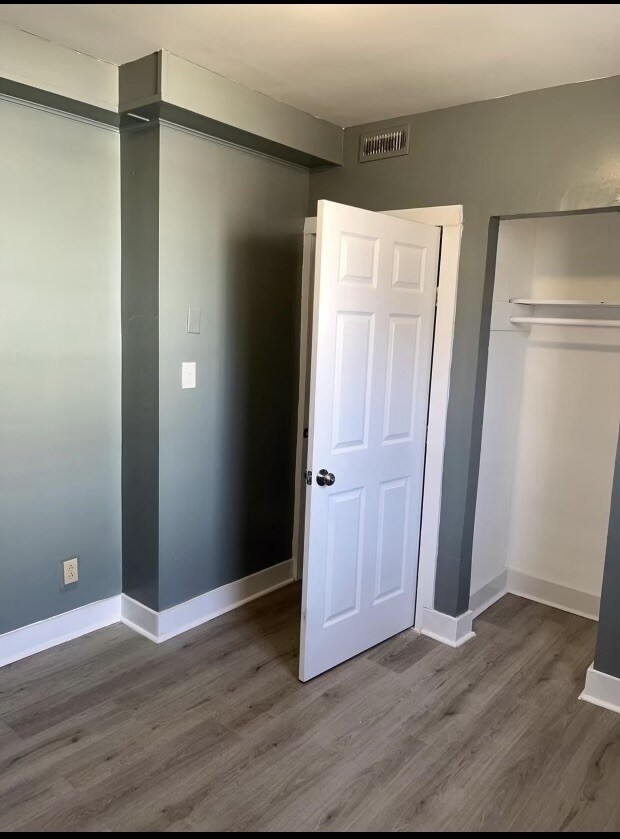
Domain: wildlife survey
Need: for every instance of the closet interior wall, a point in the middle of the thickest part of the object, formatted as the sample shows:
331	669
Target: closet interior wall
552	411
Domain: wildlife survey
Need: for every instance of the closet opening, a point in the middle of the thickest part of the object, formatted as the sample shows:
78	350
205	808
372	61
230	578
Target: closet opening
551	412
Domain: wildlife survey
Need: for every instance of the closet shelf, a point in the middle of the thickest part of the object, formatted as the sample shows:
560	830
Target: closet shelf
529	301
566	322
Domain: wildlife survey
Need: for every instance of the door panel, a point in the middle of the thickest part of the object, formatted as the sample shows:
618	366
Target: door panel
345	525
392	537
408	270
354	351
358	259
374	308
400	391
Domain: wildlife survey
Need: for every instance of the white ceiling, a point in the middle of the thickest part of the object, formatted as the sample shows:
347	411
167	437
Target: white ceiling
352	63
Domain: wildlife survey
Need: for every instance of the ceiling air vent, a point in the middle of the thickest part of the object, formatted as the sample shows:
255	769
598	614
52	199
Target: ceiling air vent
375	146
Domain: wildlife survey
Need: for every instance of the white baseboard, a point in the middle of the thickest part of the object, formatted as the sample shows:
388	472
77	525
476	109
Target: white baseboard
489	594
553	594
159	626
36	637
139	617
602	689
448	630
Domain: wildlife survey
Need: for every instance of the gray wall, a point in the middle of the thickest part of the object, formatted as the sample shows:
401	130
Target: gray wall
140	317
550	150
607	658
181	92
230	243
60	421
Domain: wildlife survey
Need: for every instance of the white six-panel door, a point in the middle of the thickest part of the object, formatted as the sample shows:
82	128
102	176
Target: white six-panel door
374	311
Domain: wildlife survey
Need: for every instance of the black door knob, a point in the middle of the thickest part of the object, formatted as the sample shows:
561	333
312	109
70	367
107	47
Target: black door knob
325	478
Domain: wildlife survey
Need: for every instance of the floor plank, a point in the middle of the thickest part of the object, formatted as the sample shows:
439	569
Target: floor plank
213	731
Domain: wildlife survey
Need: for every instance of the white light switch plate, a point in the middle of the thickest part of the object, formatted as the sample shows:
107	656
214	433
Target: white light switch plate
188	374
193	320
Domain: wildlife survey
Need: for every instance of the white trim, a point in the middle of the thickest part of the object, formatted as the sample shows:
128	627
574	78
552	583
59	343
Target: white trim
602	689
580	603
304	350
310	226
450	218
160	626
451	631
36	637
489	594
139	617
438	414
156	626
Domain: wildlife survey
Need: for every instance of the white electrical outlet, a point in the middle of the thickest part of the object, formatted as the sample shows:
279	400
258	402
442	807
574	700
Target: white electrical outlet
70	571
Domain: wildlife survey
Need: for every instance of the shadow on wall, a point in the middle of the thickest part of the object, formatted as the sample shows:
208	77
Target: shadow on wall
257	462
579	258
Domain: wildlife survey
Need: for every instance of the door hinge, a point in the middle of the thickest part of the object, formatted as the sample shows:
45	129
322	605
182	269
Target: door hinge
437	297
305	433
308	477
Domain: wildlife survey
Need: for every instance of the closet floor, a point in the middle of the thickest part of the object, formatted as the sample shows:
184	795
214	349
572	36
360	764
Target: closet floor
212	731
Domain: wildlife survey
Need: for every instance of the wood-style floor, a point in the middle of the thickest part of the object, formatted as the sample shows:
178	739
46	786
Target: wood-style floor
212	731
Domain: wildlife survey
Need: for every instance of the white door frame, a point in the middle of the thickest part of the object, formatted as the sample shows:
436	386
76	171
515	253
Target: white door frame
450	219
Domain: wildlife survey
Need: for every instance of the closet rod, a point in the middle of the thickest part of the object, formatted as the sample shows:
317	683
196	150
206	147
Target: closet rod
566	322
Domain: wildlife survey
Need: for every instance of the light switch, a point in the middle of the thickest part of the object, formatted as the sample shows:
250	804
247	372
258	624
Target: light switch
193	320
188	374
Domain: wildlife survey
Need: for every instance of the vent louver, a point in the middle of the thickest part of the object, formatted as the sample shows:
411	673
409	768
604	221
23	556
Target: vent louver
375	146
